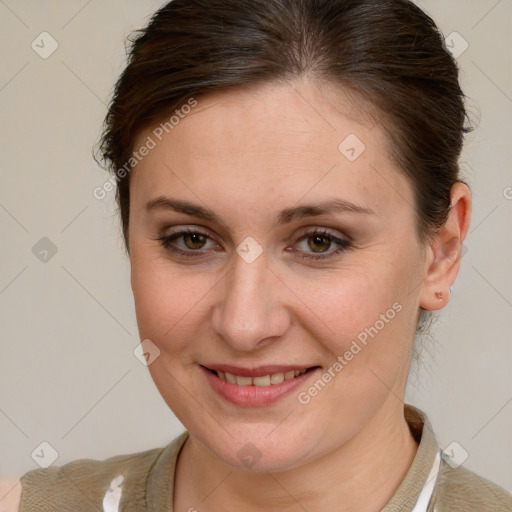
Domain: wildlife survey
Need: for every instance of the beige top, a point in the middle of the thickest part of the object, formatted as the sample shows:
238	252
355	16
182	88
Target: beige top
144	481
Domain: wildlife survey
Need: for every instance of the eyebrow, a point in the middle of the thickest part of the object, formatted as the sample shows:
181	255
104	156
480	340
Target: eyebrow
283	217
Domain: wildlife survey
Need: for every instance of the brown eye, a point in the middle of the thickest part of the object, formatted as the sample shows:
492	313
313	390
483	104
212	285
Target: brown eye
194	240
189	242
320	242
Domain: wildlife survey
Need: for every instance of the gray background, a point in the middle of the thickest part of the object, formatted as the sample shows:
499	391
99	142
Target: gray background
68	375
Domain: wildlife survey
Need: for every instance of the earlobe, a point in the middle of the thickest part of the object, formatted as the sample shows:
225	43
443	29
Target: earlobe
446	251
442	272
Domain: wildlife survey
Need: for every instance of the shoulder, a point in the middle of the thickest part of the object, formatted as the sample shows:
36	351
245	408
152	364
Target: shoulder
462	489
90	483
10	493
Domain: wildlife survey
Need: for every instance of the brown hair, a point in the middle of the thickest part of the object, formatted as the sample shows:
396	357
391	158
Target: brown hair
387	52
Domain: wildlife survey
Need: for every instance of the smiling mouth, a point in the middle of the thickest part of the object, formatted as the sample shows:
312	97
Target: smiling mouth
262	380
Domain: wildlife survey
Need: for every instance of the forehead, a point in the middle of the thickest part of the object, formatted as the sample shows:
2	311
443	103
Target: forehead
273	142
260	118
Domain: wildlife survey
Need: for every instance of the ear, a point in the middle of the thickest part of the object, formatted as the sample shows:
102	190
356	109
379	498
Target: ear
445	252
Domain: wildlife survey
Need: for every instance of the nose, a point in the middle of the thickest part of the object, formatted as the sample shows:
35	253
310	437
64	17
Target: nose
250	312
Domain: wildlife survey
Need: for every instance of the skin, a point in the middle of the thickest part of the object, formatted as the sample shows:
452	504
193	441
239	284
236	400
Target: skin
10	494
246	154
273	147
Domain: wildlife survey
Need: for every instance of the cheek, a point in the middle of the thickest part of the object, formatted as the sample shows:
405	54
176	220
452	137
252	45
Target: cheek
349	300
169	301
365	315
368	341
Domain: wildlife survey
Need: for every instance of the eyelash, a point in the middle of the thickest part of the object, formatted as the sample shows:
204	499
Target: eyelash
166	242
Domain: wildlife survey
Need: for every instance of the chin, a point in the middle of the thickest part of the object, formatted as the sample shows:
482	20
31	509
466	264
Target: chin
258	447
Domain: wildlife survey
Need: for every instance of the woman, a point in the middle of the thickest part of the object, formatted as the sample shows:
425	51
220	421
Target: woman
288	184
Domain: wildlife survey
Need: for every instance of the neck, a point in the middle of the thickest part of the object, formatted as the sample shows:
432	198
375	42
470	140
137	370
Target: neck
361	475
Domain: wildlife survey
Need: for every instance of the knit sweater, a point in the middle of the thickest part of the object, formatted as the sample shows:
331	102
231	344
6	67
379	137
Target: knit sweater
144	481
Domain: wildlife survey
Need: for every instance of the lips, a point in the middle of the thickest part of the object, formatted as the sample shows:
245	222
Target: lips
256	387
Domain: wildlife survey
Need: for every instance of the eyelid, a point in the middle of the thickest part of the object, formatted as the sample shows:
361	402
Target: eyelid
179	232
305	230
344	243
194	228
312	229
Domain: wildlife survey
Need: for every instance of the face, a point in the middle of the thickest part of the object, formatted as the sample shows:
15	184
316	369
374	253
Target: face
240	286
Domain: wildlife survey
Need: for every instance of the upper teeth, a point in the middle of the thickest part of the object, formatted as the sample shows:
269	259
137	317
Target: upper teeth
263	380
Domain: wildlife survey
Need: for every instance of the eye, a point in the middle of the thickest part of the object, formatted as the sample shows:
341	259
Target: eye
319	241
194	243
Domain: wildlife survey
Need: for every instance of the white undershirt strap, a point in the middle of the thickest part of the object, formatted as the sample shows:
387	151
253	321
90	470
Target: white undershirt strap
428	488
